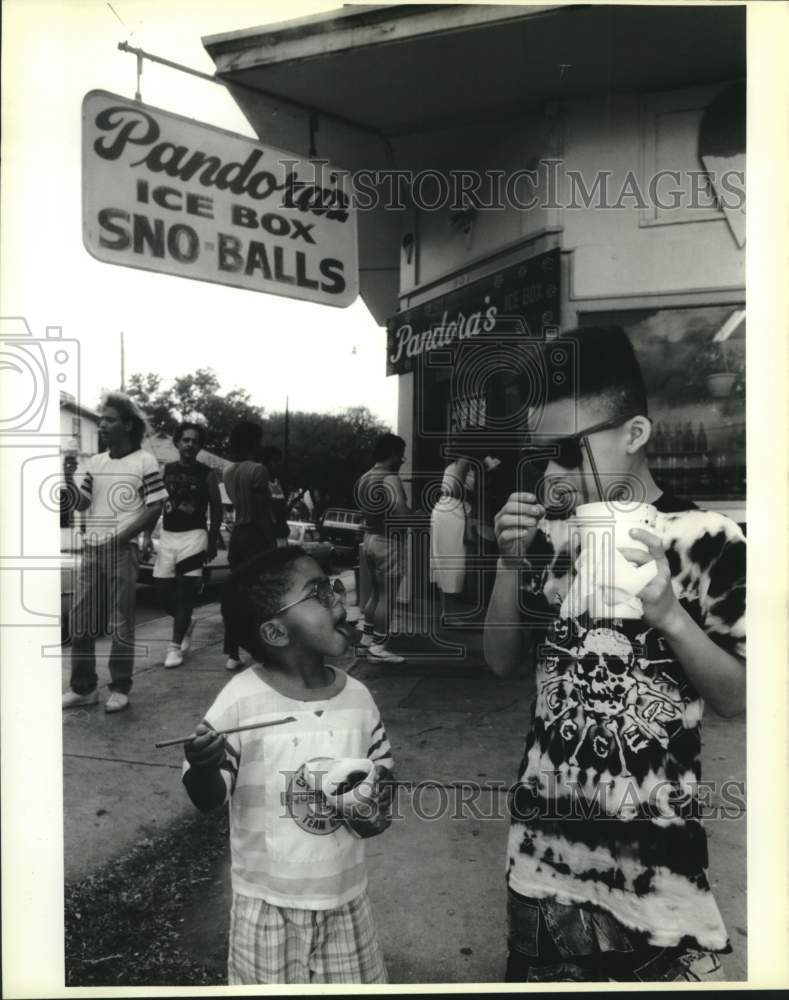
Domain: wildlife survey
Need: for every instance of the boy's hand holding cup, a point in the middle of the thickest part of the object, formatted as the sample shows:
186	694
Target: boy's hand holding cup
661	609
206	751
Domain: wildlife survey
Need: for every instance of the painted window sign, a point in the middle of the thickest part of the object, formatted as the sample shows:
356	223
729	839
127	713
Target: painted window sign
168	194
528	291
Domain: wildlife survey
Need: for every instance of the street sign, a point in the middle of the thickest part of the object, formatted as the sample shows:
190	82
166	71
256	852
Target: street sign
172	195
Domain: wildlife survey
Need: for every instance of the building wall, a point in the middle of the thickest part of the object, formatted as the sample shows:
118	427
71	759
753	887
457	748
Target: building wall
630	250
83	429
632	256
618	251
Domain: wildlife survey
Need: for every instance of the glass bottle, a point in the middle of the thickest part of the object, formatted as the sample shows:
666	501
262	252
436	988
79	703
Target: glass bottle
660	439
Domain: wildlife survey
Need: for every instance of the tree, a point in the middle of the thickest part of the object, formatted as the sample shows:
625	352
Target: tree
194	397
326	452
155	404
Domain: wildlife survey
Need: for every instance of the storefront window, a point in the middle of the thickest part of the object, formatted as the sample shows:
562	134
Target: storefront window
694	368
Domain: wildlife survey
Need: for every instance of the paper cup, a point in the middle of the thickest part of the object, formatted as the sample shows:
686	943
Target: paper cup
349	783
600	525
606	583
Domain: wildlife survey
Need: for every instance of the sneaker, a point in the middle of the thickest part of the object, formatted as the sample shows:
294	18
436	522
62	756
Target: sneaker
233	663
73	700
186	643
174	657
116	702
383	655
367	640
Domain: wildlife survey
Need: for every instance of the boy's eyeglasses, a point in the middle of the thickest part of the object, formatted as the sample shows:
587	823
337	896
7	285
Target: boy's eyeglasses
570	446
326	592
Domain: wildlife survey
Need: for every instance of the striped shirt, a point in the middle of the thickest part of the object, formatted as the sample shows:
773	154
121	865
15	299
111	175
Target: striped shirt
119	489
287	846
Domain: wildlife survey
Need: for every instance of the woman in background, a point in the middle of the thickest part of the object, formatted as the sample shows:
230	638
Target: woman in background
449	526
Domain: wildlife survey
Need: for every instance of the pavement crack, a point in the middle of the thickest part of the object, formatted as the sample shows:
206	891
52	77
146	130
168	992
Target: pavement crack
122	760
432	729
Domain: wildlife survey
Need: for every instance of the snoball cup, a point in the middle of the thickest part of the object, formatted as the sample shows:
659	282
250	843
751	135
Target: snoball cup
598	525
607	583
350	785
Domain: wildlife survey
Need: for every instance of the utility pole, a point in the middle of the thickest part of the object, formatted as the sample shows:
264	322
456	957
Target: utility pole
287	436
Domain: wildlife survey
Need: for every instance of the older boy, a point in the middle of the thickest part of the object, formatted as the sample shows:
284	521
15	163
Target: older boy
607	852
300	908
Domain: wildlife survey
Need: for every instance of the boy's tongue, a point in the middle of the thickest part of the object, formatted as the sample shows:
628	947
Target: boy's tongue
348	631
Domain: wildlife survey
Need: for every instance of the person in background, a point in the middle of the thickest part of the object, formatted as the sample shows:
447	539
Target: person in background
186	543
272	461
122	493
247	483
449	528
607	852
380	495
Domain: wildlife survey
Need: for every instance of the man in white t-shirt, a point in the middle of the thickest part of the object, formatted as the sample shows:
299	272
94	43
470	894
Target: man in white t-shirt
122	492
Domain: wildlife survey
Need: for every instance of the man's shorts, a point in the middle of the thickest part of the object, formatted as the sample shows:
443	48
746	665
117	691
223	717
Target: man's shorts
174	547
383	557
280	944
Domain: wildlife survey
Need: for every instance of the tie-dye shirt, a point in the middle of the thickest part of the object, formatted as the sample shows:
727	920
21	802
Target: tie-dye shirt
605	811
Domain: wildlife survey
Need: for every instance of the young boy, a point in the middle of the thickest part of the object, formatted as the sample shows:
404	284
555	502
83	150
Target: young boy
300	909
607	852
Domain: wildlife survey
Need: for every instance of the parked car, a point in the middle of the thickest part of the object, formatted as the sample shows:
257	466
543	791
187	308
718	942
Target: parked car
308	536
218	566
343	528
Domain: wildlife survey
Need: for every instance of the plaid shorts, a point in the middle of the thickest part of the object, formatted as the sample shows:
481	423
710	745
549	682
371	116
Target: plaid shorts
280	944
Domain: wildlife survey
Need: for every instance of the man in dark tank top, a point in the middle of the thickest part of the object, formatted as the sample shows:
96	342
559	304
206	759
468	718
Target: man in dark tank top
186	542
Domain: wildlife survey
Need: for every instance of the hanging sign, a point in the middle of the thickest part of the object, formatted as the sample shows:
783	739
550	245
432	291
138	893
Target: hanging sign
169	194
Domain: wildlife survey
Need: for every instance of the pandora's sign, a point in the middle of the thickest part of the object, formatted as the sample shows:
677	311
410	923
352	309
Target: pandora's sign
168	194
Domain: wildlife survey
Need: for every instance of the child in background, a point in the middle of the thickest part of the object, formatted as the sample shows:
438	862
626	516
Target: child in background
300	909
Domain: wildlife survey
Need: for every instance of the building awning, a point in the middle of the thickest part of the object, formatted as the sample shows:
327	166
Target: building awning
385	81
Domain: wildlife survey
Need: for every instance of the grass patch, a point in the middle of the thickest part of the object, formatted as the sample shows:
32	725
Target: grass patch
124	924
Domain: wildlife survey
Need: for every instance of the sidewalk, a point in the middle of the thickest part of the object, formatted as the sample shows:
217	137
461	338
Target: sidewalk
437	885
